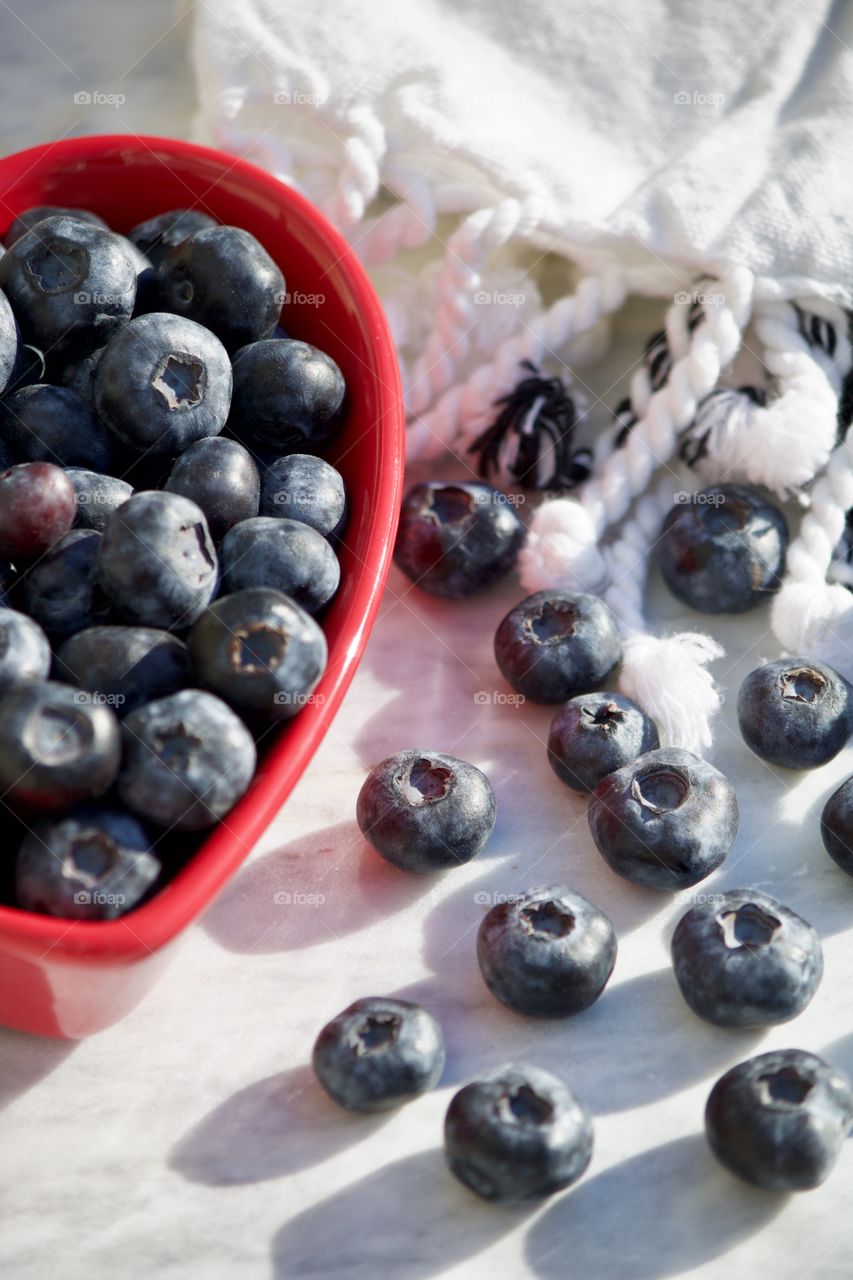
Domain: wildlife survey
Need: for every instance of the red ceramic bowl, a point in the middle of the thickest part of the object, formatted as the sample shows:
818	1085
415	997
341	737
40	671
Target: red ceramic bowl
71	978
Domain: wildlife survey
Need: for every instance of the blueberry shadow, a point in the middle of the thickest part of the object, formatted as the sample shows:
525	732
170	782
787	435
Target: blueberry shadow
324	885
27	1059
840	1054
409	1219
276	1126
661	1213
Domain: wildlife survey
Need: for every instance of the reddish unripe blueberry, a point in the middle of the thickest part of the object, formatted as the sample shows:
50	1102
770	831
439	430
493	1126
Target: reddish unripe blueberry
38	503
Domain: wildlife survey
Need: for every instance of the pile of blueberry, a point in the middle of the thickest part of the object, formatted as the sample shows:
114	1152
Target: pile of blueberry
660	817
167	541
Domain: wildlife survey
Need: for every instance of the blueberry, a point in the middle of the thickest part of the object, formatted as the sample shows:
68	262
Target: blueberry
836	826
288	395
596	733
455	539
157	562
61	590
223	278
24	650
93	864
98	496
32	217
779	1120
745	960
37	506
546	953
187	760
57	747
795	712
124	666
666	820
378	1054
287	555
79	376
42	423
724	552
300	486
222	477
157	235
556	644
162	383
424	811
72	284
30	368
9	344
260	652
517	1134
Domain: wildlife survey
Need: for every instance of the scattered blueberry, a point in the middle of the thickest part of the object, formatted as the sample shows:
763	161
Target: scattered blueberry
223	278
260	652
836	826
43	423
556	644
61	590
71	284
98	496
517	1134
666	820
745	960
24	650
546	953
455	539
378	1054
187	760
724	552
157	235
162	383
222	478
157	562
287	395
424	811
287	555
124	666
596	733
93	864
32	217
779	1120
795	712
57	747
300	486
37	506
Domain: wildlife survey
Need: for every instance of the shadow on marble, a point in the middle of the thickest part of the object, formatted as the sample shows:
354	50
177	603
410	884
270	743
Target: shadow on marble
26	1059
276	1126
658	1214
408	1220
840	1054
324	885
589	1048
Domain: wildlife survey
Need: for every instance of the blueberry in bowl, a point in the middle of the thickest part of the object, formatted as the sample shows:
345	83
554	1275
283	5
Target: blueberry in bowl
288	395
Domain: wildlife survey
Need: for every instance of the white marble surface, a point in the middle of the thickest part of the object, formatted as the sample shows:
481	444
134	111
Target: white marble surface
190	1141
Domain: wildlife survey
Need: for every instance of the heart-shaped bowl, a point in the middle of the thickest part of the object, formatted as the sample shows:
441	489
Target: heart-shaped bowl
71	978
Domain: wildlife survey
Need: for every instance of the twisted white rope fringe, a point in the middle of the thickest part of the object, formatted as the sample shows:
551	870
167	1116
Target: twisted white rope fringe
577	524
666	675
462	410
810	616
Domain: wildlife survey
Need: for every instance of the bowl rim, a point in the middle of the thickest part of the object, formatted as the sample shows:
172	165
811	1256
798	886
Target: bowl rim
151	926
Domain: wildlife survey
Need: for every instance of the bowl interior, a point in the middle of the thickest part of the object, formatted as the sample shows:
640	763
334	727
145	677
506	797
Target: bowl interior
330	303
